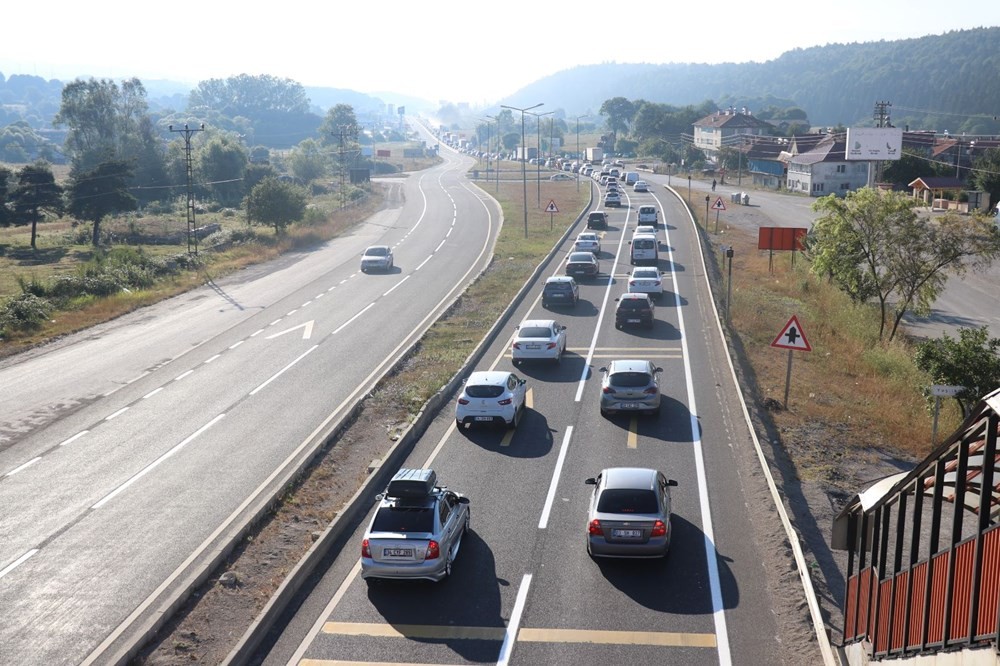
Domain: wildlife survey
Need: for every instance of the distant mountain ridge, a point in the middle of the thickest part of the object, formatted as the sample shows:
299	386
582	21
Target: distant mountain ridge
945	81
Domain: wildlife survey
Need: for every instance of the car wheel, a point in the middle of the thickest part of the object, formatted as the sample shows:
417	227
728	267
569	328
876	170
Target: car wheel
517	418
447	569
459	424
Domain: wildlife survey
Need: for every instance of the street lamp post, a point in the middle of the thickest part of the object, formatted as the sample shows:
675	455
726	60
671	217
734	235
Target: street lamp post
498	153
538	140
524	155
579	157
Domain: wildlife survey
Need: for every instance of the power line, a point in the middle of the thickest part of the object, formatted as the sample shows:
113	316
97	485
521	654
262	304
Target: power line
192	237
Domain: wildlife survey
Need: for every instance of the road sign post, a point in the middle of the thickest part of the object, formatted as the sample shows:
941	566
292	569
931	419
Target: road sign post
551	209
792	338
718	206
941	391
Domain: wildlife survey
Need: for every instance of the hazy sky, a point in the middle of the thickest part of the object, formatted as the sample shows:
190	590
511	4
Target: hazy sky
438	49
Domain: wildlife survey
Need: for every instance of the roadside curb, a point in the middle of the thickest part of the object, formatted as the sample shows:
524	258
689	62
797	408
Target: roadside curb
295	580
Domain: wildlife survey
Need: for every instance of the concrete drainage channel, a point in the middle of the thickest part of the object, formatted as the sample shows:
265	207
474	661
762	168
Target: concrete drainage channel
142	632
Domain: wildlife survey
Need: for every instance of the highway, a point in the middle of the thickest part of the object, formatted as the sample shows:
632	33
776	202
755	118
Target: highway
132	454
524	590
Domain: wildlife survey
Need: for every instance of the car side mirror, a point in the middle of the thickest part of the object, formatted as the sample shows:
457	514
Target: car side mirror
522	382
603	370
592	482
659	370
462	499
672	483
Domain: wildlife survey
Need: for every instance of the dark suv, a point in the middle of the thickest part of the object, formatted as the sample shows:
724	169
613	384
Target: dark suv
634	309
598	219
560	290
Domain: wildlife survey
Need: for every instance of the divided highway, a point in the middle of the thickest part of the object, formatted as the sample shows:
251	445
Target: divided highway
131	454
523	589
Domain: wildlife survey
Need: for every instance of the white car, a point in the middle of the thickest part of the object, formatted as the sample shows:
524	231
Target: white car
560	176
644	229
538	339
587	242
647	215
377	257
491	397
640	186
646	280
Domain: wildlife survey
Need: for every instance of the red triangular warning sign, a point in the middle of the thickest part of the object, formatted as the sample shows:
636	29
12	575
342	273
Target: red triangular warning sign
552	208
719	204
792	337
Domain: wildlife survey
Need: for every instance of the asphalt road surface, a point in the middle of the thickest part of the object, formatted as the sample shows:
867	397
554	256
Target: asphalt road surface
131	453
524	590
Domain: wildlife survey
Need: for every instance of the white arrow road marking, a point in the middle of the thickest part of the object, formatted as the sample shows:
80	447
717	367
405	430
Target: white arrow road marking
307	330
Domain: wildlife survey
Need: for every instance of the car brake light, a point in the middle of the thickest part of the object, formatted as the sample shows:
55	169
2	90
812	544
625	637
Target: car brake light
433	551
607	389
365	550
659	529
517	345
656	282
632	283
463	401
551	345
594	529
652	390
505	401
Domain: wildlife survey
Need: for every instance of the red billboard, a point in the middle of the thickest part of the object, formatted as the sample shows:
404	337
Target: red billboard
781	238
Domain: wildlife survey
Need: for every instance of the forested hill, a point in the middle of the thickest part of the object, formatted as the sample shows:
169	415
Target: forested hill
946	81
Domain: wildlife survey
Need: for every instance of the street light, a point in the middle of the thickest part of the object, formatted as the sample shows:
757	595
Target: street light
498	152
579	158
538	155
524	153
489	155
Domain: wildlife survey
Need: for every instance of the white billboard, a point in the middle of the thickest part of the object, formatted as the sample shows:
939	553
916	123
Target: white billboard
874	143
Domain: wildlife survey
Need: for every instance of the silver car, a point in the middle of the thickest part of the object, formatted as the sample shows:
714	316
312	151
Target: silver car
417	529
377	257
630	386
629	513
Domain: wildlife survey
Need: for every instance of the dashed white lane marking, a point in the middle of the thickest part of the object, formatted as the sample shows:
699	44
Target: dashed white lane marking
116	414
74	437
554	484
18	562
152	393
182	375
23	467
252	335
283	370
439	245
422	263
348	322
289	314
515	621
209	360
396	285
274	322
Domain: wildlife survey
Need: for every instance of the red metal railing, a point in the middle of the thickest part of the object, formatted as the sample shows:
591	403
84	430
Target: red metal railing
900	586
850	617
881	620
989	585
917	606
939	583
961	591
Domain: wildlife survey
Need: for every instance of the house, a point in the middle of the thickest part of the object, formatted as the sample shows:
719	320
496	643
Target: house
726	128
824	169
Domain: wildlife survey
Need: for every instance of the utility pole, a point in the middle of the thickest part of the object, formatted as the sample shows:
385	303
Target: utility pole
524	159
192	235
882	119
345	132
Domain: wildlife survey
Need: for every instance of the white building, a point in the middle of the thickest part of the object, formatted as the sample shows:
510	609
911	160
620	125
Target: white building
825	170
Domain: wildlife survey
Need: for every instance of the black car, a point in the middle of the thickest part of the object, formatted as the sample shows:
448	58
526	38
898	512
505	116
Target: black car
598	219
634	309
560	290
584	264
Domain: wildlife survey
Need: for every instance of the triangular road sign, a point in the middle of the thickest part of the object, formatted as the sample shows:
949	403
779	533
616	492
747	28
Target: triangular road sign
792	337
552	208
719	204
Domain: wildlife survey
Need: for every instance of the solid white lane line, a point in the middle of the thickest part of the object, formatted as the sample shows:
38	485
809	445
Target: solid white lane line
116	414
515	621
151	466
74	437
282	371
152	393
23	467
422	263
182	375
554	484
348	322
207	361
396	285
18	562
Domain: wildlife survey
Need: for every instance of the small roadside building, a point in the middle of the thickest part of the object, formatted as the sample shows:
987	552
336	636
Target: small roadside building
723	128
824	170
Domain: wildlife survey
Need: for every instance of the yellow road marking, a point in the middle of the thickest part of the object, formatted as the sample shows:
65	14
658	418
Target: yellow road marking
414	631
529	399
633	433
341	662
664	638
507	437
643	355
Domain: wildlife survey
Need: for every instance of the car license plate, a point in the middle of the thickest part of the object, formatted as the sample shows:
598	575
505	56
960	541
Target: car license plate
633	321
627	534
397	552
630	405
534	346
484	418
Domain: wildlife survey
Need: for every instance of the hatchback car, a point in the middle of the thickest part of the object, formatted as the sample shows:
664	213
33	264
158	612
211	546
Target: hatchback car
630	386
646	280
612	200
538	339
587	242
560	290
640	186
417	529
584	264
647	215
634	309
629	513
377	257
597	219
491	397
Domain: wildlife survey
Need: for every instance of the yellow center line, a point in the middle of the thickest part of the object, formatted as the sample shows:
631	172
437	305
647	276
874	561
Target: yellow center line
633	433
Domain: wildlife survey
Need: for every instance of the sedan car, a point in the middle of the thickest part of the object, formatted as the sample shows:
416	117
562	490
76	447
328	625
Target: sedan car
597	219
560	290
635	309
646	280
584	264
417	529
538	339
587	242
560	176
612	200
630	386
491	397
629	513
640	186
377	257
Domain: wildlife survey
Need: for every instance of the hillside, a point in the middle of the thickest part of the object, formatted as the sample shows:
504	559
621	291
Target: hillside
936	82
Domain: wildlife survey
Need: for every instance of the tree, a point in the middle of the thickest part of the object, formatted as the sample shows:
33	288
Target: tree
986	173
276	203
873	245
250	96
222	161
6	203
307	161
339	118
101	192
972	361
619	112
35	195
910	166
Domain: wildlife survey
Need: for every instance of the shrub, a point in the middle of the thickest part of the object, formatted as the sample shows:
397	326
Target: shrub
25	312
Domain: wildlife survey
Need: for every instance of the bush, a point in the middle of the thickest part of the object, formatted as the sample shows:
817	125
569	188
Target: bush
26	312
314	216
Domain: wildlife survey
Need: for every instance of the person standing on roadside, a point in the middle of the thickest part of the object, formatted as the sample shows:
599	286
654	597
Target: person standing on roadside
713	184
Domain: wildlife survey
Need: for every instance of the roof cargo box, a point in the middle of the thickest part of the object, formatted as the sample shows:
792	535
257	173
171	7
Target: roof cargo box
412	483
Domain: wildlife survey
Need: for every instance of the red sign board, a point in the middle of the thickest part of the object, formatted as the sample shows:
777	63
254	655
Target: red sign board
383	153
781	238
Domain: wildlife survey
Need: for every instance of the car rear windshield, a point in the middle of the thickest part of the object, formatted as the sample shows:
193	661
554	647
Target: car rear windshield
645	210
633	304
644	244
584	257
484	391
596	217
557	286
535	332
627	500
404	519
630	379
376	252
